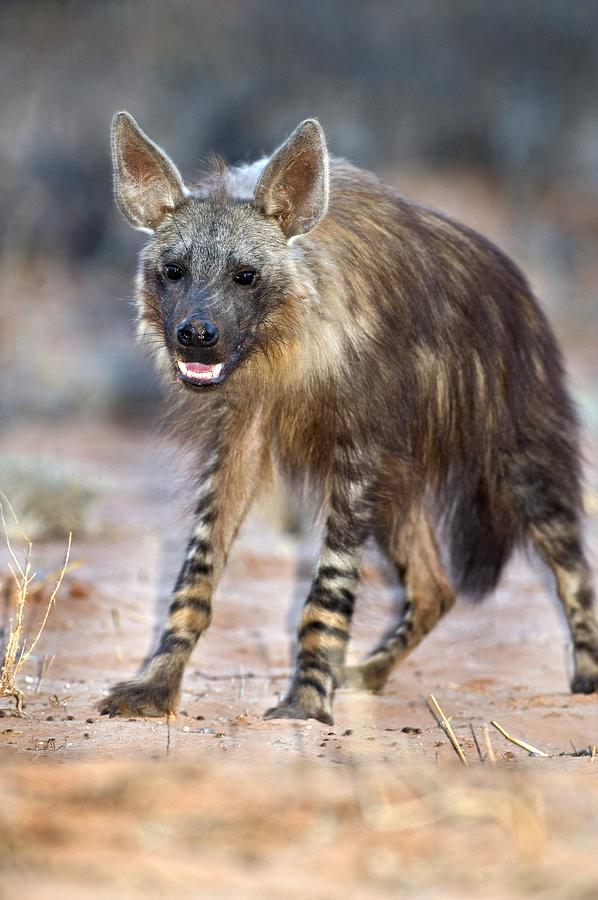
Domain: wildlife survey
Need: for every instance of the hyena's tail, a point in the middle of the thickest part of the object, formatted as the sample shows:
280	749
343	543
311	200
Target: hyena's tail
481	530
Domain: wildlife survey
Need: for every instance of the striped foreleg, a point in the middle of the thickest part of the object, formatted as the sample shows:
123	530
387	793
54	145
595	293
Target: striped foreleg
228	485
324	627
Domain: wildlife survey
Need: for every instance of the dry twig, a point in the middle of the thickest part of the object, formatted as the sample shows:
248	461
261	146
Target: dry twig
488	742
476	742
447	728
524	746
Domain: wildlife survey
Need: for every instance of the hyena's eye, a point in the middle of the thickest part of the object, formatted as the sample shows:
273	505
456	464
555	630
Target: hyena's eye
245	277
173	272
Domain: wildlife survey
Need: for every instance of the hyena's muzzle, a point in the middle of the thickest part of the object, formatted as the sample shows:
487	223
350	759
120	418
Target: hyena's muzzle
205	346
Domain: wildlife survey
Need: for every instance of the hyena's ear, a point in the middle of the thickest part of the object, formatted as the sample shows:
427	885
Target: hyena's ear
293	188
147	185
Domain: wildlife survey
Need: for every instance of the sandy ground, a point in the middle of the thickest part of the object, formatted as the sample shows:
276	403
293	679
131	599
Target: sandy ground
218	802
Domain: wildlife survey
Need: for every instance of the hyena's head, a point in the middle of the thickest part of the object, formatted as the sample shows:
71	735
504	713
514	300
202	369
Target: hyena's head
219	266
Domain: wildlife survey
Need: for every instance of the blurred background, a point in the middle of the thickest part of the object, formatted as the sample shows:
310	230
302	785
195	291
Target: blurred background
485	110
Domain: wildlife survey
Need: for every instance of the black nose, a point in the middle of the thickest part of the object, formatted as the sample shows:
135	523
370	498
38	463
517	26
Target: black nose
197	333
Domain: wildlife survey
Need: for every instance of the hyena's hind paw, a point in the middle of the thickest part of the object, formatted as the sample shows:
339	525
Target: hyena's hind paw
585	679
138	698
585	684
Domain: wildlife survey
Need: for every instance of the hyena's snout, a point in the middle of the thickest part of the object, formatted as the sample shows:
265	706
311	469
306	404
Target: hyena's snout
203	349
197	332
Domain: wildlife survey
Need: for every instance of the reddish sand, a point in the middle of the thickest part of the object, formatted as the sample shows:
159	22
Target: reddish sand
219	802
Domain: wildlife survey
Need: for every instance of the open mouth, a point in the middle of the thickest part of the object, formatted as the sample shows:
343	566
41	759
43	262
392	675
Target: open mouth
199	373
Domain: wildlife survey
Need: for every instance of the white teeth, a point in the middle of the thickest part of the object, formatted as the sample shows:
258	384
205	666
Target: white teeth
207	375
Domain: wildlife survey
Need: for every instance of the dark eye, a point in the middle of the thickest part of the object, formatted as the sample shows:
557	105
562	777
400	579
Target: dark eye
245	277
173	272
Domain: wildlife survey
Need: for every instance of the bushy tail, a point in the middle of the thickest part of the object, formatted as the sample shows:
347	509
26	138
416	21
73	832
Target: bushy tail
481	531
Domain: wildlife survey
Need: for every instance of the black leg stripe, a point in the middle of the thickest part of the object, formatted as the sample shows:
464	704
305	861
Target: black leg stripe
198	567
346	543
200	606
199	547
210	471
171	642
322	628
307	659
306	681
208	517
332	573
583	644
205	503
342	602
585	598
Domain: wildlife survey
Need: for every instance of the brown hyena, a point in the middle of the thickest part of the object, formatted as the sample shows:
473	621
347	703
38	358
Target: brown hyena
308	317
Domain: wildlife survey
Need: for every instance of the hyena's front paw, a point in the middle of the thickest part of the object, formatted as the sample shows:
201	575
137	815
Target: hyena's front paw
291	711
139	698
299	707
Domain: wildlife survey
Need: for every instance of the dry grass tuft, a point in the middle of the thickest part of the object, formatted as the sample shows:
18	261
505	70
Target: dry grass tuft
17	651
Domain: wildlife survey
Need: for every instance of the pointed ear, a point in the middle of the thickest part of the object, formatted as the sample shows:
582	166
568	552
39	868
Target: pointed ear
147	185
293	188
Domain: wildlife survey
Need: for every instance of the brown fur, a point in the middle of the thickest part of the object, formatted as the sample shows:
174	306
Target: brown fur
394	358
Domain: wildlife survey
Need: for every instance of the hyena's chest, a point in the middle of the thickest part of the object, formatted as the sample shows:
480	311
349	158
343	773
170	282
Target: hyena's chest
303	438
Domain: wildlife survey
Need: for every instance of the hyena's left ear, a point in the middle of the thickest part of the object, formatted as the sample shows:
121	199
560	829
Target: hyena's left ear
293	188
147	185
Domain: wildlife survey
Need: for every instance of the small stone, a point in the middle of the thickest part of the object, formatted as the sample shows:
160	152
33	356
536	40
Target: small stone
186	729
89	721
347	732
49	718
200	718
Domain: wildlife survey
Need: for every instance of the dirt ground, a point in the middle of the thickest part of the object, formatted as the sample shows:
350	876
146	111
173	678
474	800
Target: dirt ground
218	802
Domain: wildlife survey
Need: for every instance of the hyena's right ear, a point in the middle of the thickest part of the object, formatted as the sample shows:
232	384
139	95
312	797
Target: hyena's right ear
293	188
147	185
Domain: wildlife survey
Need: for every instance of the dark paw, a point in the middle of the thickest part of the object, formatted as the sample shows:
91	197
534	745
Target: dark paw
293	711
138	698
585	684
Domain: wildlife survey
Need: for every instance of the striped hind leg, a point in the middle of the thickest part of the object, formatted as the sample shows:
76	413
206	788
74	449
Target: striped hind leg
428	595
547	495
576	593
228	485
